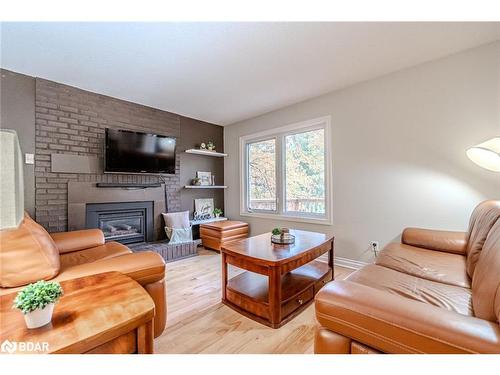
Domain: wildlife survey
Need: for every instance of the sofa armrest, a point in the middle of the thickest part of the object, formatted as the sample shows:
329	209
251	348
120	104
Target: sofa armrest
440	240
395	324
67	242
145	267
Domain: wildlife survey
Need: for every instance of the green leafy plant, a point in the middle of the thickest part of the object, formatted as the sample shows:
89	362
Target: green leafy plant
37	296
217	211
211	145
276	231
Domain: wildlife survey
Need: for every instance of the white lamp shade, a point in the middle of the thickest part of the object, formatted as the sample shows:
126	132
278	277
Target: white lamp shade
486	154
11	180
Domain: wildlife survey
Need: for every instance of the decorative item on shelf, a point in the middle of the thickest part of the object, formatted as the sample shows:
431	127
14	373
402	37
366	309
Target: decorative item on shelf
196	181
213	180
200	216
282	236
217	212
36	301
205	178
204	207
209	146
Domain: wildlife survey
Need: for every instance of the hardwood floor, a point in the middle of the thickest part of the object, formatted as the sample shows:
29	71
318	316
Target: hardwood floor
199	323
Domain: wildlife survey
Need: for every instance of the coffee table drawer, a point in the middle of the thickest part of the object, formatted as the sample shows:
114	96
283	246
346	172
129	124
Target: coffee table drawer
294	303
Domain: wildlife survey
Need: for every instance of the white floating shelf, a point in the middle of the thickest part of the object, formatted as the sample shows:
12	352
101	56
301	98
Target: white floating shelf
212	220
205	187
205	152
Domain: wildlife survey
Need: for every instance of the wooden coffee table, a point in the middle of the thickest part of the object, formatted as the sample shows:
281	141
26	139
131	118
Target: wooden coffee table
280	281
104	313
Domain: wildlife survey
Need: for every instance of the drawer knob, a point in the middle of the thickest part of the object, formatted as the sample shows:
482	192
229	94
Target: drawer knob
300	301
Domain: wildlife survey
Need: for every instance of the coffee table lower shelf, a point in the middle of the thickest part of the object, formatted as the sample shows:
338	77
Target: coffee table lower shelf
248	293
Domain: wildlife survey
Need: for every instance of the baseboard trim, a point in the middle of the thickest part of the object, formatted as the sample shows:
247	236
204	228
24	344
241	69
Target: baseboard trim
349	263
344	262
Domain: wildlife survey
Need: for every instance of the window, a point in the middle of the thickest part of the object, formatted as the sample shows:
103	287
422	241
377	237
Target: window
305	172
262	175
286	172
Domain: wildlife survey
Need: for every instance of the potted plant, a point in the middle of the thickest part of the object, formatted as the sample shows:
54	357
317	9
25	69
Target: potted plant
36	302
211	146
282	232
217	212
196	181
282	236
276	231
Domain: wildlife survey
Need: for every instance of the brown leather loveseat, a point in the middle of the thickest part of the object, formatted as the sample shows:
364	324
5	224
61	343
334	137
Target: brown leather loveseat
436	292
29	253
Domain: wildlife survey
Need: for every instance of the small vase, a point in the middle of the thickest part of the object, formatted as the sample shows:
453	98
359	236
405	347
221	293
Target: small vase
39	317
217	215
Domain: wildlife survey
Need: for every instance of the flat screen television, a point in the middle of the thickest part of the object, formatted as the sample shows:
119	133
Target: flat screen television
135	152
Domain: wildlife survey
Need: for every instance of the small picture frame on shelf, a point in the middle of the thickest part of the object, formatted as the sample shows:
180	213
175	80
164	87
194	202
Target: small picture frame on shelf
205	178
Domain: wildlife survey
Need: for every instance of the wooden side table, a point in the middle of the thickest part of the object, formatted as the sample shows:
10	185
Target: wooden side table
104	313
280	280
215	235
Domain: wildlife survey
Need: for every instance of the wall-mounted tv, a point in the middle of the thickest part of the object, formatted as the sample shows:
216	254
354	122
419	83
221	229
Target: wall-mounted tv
135	152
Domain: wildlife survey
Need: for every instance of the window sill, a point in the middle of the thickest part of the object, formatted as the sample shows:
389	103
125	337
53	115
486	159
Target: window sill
297	219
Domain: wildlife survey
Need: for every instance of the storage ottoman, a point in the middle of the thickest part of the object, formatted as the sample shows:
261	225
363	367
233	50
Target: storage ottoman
214	235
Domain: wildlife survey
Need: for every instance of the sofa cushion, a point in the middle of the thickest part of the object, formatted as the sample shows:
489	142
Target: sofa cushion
440	240
427	264
450	297
392	323
486	280
482	219
106	251
27	254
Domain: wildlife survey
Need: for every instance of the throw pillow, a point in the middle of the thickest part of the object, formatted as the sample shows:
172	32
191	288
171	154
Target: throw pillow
176	219
27	254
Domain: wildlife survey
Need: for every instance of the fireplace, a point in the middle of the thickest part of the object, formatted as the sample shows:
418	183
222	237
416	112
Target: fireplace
125	222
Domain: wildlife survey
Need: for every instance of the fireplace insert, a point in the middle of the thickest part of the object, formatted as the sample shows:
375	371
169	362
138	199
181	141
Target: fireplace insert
125	222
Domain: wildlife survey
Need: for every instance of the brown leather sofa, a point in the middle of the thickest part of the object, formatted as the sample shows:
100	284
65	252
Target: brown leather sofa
435	292
28	253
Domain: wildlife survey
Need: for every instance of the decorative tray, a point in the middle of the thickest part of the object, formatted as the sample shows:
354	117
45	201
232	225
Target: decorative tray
283	239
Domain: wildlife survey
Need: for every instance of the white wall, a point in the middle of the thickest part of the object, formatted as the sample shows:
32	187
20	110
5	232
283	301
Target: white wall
399	146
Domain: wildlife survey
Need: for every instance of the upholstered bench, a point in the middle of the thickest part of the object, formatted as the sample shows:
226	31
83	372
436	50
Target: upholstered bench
214	235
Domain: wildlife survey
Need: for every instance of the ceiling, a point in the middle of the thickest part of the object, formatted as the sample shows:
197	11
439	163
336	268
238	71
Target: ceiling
227	72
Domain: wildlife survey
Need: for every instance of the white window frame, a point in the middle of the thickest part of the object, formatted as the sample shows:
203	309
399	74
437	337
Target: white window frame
279	135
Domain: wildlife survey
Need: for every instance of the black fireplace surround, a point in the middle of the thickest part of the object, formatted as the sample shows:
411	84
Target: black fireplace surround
125	222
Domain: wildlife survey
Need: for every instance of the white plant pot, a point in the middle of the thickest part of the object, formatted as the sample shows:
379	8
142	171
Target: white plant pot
217	215
39	317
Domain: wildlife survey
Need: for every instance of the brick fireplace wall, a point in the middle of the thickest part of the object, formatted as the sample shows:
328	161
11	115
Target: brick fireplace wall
69	120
